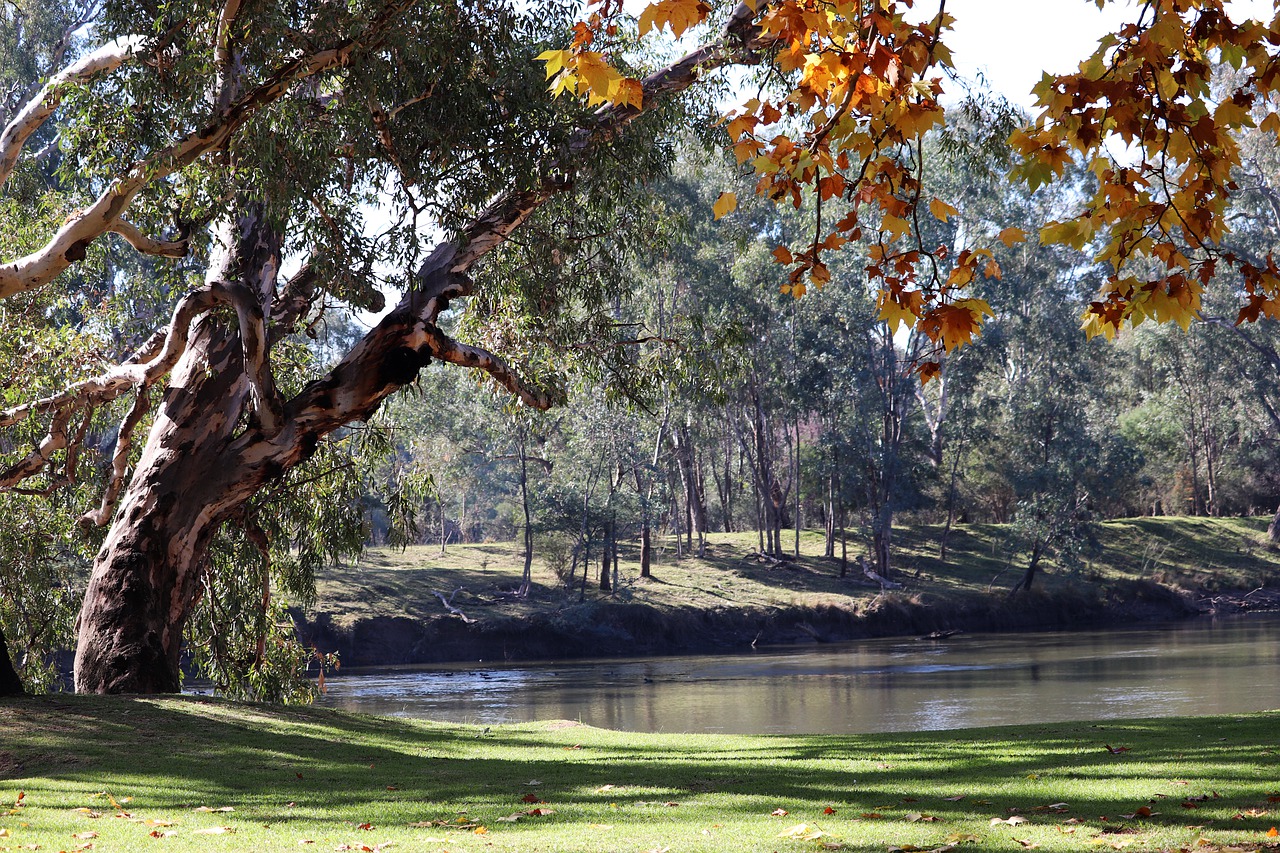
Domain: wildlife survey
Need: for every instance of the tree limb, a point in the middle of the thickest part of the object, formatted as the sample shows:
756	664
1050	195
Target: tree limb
119	461
148	245
37	111
69	244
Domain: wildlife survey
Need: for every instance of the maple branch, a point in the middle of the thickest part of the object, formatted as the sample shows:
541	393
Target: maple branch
69	244
37	111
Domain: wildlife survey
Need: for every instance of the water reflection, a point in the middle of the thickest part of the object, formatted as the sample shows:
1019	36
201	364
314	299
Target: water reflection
1227	666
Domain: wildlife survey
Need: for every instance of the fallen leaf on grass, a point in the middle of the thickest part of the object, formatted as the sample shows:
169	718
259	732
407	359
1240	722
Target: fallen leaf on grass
89	813
779	813
540	812
957	798
82	836
530	798
168	833
828	810
1014	820
1272	832
961	838
802	832
1027	842
1143	812
1251	813
150	822
207	809
604	788
918	817
1116	750
872	816
671	805
216	830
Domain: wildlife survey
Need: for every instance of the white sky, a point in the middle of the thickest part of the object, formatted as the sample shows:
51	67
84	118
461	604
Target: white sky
1014	41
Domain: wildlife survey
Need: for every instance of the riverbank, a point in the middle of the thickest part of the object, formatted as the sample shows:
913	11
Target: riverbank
418	606
197	774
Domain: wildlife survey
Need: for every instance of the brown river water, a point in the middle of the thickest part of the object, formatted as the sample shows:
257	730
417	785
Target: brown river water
1221	666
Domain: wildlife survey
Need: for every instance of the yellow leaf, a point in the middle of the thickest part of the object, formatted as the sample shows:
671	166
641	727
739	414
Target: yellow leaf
802	832
941	210
727	203
895	225
556	60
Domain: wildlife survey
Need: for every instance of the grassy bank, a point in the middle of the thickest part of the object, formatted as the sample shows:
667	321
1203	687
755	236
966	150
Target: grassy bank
194	774
386	610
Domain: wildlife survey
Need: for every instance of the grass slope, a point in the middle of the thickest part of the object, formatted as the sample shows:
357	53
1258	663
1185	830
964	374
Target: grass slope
298	779
1182	553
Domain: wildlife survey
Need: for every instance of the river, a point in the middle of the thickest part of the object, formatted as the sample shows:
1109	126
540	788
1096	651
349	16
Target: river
1228	665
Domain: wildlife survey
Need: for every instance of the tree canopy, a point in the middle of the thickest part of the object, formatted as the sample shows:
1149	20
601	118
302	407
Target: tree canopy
237	148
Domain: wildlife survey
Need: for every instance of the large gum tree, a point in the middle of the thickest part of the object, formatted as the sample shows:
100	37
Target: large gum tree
236	146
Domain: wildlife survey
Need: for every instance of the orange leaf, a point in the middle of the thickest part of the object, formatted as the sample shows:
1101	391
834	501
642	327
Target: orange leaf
1272	832
727	203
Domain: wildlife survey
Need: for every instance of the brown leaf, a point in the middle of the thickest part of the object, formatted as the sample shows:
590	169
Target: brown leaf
81	836
957	798
779	813
872	816
530	798
1027	842
828	810
540	812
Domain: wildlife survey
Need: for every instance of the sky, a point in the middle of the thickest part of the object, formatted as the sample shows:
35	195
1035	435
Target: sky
1014	41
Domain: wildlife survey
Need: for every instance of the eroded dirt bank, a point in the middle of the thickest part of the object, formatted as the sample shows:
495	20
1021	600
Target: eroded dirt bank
609	629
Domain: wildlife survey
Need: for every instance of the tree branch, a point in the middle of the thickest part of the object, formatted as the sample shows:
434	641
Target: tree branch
69	244
148	245
37	111
119	461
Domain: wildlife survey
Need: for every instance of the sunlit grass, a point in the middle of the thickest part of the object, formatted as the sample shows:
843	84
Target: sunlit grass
293	776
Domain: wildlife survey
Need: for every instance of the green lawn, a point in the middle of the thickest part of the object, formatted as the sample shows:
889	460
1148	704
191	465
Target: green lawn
138	774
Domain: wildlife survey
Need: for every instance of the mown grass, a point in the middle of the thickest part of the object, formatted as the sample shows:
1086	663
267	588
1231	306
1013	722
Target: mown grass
299	779
1190	553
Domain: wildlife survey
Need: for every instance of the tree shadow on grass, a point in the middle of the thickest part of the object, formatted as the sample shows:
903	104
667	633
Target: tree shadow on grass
306	767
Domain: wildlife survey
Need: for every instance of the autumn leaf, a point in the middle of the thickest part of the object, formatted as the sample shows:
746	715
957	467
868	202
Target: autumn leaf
828	810
1011	237
941	210
1116	750
216	830
679	15
802	832
724	205
1013	820
530	798
1272	832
